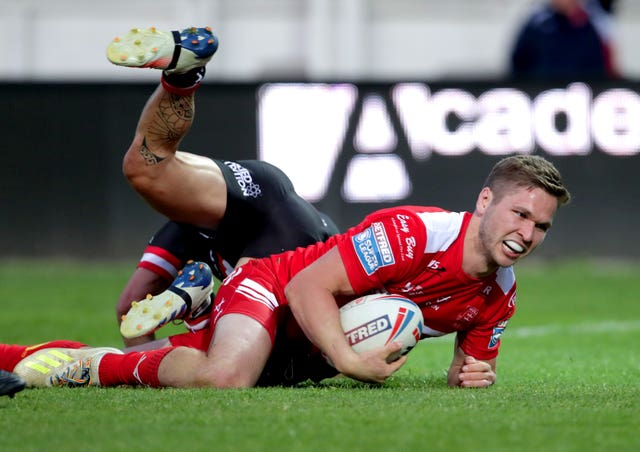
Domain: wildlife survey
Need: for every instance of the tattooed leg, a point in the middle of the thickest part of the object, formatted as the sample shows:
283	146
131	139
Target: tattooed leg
185	187
165	121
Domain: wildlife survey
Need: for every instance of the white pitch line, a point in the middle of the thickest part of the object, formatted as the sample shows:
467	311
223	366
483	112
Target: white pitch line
608	326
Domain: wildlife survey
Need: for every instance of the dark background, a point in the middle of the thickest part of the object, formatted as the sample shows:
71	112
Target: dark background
62	193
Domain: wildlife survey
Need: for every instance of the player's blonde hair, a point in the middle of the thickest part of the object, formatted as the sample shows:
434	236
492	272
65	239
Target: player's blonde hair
527	171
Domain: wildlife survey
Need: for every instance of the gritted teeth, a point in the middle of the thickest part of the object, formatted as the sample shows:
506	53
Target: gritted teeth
514	246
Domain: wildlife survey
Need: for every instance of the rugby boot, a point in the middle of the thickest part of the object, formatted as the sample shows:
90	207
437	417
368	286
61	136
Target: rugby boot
172	51
198	318
51	366
189	293
82	372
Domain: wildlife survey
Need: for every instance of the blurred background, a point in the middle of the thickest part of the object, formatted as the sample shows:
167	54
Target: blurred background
363	103
307	39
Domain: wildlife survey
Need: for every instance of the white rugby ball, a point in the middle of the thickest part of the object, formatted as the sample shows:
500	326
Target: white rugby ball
372	321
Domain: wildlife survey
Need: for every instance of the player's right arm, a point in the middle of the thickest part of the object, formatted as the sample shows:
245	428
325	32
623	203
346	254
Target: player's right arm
311	296
141	283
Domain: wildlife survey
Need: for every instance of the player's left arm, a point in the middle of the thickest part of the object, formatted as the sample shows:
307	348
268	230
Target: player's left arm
468	372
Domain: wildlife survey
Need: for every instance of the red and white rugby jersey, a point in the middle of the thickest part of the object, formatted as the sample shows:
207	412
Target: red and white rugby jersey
417	252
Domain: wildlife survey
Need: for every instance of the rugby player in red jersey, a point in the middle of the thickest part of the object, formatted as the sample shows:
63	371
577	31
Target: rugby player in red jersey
457	266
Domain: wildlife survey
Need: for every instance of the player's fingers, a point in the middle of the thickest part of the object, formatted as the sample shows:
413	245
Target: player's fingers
398	363
471	377
390	351
477	366
484	383
389	369
382	353
393	347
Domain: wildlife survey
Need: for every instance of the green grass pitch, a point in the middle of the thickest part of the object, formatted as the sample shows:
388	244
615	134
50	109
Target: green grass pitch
568	378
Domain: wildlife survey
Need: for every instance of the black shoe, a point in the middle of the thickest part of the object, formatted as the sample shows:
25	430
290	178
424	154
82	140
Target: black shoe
10	383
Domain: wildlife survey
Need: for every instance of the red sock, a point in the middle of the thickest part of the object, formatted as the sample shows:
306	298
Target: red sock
183	84
180	91
11	355
135	368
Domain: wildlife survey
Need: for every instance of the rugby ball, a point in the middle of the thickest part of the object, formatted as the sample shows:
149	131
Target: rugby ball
372	321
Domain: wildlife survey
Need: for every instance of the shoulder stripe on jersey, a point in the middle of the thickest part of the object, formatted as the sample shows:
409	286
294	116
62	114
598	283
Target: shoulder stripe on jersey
506	279
442	229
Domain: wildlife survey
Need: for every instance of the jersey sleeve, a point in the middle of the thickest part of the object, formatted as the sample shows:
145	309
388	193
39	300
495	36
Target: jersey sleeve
382	249
163	254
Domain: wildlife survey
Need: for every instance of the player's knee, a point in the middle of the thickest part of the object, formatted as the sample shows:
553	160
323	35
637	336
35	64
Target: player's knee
136	171
132	164
224	377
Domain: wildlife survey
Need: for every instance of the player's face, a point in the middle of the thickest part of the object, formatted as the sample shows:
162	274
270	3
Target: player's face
515	225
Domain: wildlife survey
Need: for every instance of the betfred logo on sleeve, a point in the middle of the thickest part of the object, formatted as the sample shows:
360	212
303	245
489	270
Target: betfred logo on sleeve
372	248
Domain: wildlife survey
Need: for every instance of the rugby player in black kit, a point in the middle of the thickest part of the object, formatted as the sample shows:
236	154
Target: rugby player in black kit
222	212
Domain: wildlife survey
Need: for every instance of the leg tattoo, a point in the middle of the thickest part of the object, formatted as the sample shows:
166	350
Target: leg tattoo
173	118
149	157
170	124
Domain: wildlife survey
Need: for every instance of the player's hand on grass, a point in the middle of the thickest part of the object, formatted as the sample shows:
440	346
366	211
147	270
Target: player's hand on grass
476	374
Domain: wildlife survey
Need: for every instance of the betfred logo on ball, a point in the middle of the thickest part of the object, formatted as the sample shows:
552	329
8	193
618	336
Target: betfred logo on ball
372	321
367	330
